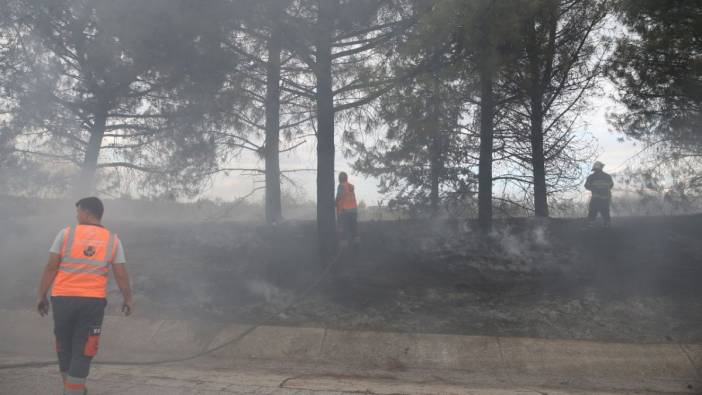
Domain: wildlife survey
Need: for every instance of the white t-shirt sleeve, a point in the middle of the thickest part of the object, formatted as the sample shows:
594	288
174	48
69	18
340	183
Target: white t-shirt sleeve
58	243
119	253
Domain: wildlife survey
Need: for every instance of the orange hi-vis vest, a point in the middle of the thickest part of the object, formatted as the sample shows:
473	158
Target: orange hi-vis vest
86	254
347	200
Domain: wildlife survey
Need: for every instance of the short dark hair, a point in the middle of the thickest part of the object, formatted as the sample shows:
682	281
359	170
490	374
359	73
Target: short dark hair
343	177
92	205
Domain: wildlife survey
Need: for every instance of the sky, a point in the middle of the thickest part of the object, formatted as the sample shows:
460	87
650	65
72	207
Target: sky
616	155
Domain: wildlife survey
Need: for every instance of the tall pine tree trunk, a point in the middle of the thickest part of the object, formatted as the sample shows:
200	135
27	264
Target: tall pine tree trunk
436	159
536	124
537	157
86	184
326	217
436	166
487	112
272	152
540	69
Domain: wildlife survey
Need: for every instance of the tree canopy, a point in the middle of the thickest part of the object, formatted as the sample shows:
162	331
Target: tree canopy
446	103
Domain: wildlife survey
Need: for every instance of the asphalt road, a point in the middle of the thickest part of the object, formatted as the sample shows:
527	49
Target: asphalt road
180	380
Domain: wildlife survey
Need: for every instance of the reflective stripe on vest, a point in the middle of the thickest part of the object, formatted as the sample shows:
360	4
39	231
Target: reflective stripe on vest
600	188
85	258
348	197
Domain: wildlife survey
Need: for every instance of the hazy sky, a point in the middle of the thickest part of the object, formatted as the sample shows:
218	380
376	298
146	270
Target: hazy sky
615	154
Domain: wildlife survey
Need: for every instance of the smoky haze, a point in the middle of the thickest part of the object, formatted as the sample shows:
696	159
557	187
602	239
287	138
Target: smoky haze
227	102
529	278
216	133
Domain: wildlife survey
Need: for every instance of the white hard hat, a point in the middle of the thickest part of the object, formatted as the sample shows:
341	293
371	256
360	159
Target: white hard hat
598	165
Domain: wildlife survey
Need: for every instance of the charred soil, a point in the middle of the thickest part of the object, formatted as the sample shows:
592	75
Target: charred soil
638	281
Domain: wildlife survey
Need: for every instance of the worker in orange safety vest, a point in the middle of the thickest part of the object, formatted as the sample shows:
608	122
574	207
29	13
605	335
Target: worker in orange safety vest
79	262
347	209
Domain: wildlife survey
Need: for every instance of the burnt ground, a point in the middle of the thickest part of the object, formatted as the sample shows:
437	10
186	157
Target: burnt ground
638	281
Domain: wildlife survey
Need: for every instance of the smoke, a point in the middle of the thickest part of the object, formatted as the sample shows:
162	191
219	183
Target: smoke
24	243
521	244
511	244
539	236
269	292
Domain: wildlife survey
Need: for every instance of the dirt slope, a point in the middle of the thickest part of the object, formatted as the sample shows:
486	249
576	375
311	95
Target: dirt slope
636	282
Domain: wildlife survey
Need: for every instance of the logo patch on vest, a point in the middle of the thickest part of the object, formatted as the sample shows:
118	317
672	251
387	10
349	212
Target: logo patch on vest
90	251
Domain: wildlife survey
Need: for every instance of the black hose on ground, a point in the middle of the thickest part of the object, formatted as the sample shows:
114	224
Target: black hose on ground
302	296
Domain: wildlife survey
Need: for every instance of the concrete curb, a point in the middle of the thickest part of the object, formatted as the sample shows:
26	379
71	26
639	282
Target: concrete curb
653	367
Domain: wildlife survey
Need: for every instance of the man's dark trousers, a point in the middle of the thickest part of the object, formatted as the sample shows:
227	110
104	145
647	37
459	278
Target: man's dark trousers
599	206
77	326
349	225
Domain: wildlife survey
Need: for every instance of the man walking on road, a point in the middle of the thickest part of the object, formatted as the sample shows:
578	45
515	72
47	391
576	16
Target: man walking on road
600	185
79	263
